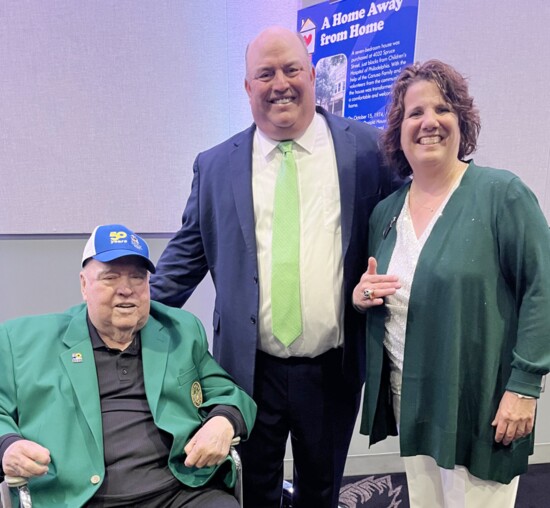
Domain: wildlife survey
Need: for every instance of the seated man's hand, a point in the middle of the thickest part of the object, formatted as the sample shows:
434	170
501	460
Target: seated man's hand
210	445
25	458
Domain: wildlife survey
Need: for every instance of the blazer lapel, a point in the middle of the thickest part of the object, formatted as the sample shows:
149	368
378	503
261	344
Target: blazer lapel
345	149
154	353
79	364
240	162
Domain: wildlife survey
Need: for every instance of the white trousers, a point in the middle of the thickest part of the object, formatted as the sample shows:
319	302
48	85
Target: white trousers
431	486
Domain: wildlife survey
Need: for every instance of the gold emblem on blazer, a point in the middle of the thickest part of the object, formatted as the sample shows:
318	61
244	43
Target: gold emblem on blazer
196	394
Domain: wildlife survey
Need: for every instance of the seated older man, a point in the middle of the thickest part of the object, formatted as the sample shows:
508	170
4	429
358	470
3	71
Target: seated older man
117	401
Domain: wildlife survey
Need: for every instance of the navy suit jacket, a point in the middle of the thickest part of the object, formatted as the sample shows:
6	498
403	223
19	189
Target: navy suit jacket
218	235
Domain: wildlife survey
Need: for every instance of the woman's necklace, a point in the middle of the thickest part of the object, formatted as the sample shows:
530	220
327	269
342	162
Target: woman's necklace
440	198
432	210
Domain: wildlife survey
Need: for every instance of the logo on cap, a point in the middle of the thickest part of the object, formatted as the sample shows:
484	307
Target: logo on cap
117	236
135	242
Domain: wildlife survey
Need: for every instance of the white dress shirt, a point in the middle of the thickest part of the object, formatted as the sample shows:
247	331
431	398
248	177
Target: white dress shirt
321	264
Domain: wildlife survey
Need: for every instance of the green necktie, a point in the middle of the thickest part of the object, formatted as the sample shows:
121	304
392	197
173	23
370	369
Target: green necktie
286	312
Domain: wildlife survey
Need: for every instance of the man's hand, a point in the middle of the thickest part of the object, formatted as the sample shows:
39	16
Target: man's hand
515	418
25	458
210	445
372	288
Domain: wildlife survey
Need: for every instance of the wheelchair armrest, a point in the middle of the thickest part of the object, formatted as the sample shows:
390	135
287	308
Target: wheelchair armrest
16	481
239	468
20	483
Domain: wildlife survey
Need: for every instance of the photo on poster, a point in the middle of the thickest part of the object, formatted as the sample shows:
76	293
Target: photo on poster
330	83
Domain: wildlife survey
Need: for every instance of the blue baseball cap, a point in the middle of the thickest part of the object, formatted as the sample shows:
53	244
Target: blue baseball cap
113	241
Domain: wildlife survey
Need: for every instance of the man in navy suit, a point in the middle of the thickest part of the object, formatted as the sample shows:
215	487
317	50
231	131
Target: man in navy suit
309	389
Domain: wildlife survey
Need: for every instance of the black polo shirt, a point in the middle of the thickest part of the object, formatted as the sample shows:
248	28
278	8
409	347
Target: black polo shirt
136	450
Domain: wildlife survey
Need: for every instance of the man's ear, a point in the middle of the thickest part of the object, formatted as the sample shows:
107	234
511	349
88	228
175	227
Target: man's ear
313	73
83	286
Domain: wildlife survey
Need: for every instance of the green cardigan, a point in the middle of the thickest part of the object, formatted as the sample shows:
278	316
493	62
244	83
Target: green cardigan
48	397
478	324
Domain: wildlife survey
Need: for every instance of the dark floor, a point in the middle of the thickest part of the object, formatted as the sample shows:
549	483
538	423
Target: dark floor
390	490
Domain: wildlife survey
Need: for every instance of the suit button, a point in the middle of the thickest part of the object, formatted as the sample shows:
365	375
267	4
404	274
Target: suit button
95	479
255	279
253	319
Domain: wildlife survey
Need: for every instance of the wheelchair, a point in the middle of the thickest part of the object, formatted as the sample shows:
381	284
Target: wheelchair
25	499
19	483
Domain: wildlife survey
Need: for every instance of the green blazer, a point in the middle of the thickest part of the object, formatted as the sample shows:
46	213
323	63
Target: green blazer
478	324
48	396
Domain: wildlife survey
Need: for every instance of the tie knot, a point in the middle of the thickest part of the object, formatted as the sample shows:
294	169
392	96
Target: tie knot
285	146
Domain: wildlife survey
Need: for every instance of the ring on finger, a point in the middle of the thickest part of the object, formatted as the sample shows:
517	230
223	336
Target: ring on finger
368	293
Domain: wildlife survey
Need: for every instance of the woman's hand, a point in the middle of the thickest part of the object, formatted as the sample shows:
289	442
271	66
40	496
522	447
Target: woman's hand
372	288
515	418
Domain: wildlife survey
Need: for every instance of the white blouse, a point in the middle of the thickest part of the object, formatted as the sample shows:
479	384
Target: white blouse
403	264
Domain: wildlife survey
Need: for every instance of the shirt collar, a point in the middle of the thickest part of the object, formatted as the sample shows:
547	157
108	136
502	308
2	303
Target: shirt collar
306	141
97	342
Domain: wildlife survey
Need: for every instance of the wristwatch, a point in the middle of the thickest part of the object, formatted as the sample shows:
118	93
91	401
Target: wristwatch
520	396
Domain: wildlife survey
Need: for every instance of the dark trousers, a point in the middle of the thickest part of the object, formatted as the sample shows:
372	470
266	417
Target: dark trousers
309	399
176	497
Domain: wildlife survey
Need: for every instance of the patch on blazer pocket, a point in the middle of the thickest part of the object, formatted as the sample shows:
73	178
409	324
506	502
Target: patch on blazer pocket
196	394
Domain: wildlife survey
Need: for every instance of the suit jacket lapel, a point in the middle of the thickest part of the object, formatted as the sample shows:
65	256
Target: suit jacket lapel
345	149
240	162
79	364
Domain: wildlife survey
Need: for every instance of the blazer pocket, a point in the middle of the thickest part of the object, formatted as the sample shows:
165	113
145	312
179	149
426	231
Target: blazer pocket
188	376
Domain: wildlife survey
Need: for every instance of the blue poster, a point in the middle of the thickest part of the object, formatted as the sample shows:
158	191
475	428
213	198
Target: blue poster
358	47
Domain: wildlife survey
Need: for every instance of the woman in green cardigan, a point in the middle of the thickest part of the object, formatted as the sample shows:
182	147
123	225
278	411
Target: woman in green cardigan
458	334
